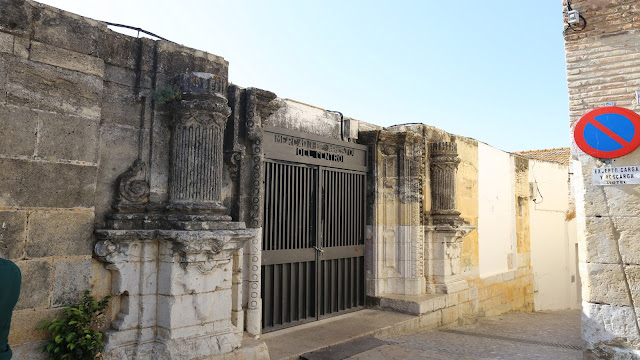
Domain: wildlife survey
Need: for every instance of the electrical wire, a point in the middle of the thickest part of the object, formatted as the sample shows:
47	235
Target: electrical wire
139	30
570	26
537	188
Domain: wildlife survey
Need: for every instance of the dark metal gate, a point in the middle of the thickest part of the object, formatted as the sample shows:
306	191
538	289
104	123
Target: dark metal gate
313	233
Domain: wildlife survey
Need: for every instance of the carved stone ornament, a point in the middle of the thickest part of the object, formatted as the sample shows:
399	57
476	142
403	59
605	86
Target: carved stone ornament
204	110
233	159
132	184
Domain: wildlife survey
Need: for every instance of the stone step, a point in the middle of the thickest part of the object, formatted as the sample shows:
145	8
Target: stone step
291	343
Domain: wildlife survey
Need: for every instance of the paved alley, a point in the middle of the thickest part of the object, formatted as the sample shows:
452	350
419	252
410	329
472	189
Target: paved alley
541	335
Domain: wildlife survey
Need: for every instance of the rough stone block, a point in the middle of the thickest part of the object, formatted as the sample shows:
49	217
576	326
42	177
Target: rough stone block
66	59
450	315
599	244
68	138
196	309
430	320
60	233
36	283
69	31
13	227
120	105
473	293
4	69
463	296
124	51
21	47
452	299
100	279
23	183
605	323
609	200
118	151
174	59
51	88
176	280
629	233
606	284
6	43
439	302
70	281
15	17
24	324
160	160
17	130
31	351
127	77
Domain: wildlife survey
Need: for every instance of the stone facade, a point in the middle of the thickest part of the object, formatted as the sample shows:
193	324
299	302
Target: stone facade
422	242
601	63
132	168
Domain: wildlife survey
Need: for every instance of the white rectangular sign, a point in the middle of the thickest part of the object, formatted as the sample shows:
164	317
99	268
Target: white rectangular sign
623	175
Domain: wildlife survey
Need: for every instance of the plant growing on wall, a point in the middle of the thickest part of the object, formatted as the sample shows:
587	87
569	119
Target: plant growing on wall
166	95
75	336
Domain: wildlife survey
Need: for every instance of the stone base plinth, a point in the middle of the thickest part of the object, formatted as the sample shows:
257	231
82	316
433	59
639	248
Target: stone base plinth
176	291
212	347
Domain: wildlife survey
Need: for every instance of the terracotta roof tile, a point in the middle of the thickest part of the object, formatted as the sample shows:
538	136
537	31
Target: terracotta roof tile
559	155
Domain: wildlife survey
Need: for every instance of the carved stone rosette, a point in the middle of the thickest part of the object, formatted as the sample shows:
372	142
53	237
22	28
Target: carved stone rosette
197	154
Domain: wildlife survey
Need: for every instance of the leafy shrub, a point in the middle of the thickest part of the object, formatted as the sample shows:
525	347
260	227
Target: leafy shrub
166	95
74	337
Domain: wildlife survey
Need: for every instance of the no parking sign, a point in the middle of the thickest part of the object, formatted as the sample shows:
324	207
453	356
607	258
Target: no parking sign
608	132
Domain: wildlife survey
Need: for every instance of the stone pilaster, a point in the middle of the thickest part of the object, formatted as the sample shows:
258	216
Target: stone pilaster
199	118
396	234
177	265
444	165
448	229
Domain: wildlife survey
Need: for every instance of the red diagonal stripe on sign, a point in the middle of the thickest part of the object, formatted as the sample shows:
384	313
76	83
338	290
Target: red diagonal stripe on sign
610	133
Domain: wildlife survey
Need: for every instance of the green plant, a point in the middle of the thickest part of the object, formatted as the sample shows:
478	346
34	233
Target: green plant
168	94
75	336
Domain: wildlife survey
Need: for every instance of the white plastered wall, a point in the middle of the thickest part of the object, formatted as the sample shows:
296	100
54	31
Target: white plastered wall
496	209
553	250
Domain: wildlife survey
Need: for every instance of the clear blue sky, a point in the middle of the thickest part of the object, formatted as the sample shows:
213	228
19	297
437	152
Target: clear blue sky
490	70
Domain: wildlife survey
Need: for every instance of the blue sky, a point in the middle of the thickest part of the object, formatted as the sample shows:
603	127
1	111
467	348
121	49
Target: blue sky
490	70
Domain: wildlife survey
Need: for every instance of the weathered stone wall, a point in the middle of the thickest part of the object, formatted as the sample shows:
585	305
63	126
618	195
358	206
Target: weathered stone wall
75	112
395	190
602	63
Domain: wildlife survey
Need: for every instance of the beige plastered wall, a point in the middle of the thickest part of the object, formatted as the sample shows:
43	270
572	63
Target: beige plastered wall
512	289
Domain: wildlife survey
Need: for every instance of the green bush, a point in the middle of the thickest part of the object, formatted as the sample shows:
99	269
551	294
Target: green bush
74	337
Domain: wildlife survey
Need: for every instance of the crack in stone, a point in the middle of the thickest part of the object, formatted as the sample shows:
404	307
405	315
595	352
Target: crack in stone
616	234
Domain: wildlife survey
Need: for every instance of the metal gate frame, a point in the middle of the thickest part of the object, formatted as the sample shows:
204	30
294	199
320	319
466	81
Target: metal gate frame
323	275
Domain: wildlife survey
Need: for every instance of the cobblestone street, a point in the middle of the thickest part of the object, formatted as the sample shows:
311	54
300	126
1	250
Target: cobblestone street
541	335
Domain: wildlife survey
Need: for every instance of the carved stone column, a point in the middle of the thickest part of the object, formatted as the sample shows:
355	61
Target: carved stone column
444	165
195	183
448	228
173	263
